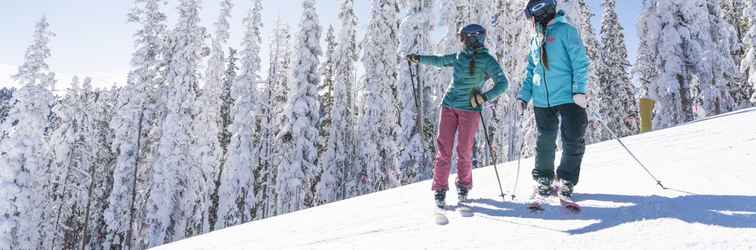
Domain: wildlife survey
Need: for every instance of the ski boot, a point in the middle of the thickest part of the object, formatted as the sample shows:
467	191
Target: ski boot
541	192
564	193
440	198
564	189
462	194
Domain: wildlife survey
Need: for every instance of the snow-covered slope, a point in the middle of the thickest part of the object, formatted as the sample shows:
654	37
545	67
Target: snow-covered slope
710	165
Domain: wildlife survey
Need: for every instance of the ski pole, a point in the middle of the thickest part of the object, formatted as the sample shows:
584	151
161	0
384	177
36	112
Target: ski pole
414	88
490	149
519	155
598	118
418	101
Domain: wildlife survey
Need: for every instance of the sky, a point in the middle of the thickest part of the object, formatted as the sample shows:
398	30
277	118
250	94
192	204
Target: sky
93	37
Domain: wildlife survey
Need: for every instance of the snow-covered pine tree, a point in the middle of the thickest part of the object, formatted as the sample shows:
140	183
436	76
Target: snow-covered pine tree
337	181
719	75
6	94
71	148
668	82
237	193
378	131
207	126
685	87
298	171
749	62
325	90
227	99
81	166
102	105
734	12
617	98
645	69
272	104
131	125
414	38
24	154
172	199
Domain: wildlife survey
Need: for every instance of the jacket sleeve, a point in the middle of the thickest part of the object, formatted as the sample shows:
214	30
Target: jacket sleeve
579	61
439	61
526	90
493	70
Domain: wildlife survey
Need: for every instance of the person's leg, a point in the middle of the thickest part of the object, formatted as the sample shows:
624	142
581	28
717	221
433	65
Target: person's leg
468	125
574	122
445	140
547	123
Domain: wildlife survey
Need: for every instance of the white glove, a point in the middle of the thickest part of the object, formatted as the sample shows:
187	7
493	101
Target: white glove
580	100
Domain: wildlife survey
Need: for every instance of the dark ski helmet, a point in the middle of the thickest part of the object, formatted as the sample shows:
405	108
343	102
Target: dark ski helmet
473	36
541	10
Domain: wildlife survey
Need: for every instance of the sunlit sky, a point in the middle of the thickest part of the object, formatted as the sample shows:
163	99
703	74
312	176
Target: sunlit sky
93	38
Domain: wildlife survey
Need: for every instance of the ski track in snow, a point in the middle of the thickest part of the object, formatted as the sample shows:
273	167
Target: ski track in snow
708	165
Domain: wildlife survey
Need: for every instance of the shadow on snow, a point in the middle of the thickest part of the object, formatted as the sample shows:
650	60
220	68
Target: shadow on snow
719	210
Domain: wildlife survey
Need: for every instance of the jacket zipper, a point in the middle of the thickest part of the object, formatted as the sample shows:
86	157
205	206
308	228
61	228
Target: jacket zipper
545	84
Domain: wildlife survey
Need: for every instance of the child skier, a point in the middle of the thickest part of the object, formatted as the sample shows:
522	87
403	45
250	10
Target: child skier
556	81
462	104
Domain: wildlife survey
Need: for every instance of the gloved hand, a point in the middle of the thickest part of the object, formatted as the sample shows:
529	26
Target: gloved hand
580	100
477	99
413	58
523	106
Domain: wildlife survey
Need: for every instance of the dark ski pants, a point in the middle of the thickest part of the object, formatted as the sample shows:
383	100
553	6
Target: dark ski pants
574	120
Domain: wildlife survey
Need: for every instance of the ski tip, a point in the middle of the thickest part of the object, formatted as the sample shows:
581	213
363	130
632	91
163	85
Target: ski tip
572	207
441	219
533	208
572	210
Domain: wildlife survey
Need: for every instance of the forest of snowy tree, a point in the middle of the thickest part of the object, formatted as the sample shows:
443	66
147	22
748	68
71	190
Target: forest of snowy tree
199	138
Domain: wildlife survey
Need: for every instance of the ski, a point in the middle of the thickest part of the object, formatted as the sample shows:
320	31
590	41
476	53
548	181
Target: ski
535	206
566	202
463	208
569	204
536	203
439	216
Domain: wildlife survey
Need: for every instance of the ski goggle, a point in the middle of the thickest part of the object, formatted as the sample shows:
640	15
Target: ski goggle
475	39
538	8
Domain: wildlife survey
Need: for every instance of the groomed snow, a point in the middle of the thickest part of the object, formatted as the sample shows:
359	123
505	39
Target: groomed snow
710	165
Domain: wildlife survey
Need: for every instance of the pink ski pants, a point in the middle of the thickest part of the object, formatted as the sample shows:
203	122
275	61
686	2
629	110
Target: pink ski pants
463	124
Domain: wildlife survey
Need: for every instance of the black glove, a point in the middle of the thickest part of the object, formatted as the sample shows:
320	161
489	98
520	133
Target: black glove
413	58
523	106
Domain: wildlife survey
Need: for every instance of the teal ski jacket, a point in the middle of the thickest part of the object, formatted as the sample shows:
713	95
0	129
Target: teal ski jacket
568	67
460	92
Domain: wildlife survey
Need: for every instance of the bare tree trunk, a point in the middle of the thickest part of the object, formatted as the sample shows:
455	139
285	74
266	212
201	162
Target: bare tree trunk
134	183
60	209
85	232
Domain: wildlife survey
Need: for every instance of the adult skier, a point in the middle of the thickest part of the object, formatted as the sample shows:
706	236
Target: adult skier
462	104
556	81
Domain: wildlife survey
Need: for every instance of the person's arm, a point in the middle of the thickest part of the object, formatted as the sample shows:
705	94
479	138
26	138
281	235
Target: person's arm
439	61
526	90
579	61
493	70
